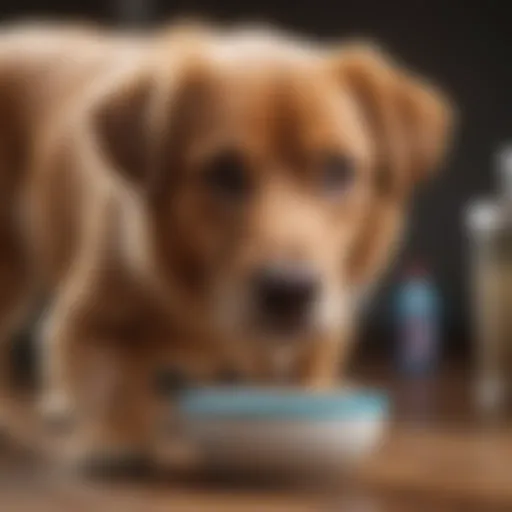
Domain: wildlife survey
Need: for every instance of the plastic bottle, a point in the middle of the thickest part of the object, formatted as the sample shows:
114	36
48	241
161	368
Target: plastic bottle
418	323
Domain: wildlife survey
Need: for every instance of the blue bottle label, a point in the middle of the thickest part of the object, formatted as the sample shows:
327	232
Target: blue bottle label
418	327
419	341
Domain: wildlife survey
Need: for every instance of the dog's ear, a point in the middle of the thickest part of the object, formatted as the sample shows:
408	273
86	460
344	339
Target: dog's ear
121	124
409	124
409	121
141	122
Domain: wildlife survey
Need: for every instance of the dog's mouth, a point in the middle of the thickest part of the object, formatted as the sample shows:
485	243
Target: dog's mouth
282	325
247	322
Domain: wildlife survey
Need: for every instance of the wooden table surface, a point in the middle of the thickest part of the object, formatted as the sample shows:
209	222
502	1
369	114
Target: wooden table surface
439	456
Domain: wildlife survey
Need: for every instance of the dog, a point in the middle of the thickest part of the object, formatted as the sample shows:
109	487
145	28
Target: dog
200	197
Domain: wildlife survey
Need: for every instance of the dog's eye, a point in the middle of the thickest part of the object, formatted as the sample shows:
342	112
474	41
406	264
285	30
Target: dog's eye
338	174
227	176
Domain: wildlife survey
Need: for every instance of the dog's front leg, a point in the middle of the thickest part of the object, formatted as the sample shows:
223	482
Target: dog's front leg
119	408
99	373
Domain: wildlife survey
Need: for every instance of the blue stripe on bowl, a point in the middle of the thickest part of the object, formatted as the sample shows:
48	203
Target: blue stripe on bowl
283	405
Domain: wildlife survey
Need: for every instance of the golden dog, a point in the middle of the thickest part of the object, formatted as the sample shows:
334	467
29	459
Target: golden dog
198	197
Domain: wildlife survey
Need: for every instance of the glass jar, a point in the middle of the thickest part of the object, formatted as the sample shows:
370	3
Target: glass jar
491	283
490	228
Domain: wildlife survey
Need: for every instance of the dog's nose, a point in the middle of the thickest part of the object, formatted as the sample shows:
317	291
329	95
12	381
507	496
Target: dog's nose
285	294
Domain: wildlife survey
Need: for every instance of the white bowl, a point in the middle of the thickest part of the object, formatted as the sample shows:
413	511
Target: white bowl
263	430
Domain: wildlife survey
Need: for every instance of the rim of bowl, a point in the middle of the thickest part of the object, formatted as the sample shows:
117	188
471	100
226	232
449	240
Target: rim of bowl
249	404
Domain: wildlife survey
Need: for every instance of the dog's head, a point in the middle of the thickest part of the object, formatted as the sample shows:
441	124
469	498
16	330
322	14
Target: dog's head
274	173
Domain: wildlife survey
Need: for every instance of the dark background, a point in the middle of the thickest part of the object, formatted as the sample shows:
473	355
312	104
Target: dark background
466	49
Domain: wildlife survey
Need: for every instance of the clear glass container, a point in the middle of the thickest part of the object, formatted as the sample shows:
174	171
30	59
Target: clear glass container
490	228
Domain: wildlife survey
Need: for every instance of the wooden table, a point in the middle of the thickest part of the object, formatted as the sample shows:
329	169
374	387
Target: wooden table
439	457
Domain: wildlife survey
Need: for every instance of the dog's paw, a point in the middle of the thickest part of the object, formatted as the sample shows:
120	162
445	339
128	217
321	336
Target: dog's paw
114	463
56	410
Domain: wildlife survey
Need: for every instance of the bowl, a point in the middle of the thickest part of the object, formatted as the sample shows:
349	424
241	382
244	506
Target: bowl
281	430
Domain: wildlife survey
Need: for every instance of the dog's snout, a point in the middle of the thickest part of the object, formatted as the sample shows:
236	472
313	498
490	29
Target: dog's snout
285	294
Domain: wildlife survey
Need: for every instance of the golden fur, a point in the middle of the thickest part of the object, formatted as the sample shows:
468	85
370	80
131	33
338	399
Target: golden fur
104	139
